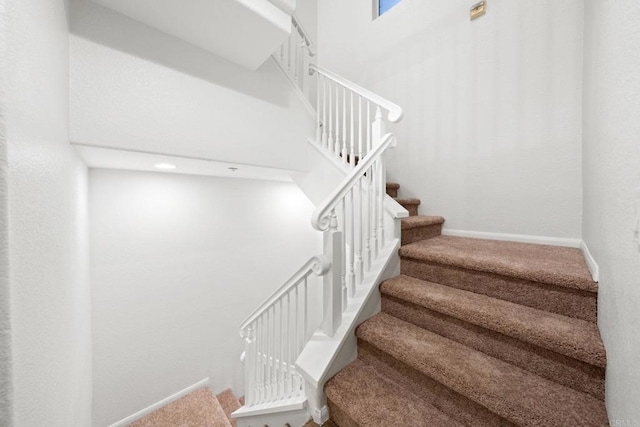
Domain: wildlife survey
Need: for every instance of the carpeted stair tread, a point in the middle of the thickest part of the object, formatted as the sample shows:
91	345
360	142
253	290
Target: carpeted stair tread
369	399
411	222
197	409
410	201
513	393
552	265
229	403
568	336
393	185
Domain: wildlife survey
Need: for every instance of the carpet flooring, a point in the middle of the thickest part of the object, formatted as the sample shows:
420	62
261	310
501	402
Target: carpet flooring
197	409
476	333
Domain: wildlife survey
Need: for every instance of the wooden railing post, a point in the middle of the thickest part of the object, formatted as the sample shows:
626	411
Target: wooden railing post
332	286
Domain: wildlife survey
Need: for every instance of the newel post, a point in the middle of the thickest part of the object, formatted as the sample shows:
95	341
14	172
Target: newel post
332	286
378	128
250	362
379	180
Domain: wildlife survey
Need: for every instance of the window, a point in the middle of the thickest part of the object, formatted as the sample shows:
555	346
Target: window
382	6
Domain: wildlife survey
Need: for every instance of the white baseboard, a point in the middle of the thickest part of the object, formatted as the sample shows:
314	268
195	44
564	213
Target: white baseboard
591	262
149	409
541	240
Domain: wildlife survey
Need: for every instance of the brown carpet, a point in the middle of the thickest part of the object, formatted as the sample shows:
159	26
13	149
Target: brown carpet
478	333
553	265
197	409
229	403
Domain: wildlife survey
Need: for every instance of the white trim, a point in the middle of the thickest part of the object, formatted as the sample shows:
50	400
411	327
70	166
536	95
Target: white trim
294	404
149	409
591	262
540	240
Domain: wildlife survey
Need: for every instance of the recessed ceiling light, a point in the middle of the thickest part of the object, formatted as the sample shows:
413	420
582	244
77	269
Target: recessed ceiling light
165	166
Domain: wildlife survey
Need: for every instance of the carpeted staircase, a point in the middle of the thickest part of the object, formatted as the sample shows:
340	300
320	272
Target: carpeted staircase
476	333
197	409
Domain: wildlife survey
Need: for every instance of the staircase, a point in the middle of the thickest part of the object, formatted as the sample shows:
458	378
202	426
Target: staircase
477	333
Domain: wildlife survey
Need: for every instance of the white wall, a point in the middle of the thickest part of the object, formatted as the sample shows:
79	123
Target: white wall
48	245
135	87
178	261
612	191
491	138
6	379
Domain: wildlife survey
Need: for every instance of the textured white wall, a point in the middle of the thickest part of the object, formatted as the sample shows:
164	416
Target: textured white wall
48	239
491	138
177	262
612	191
135	87
6	394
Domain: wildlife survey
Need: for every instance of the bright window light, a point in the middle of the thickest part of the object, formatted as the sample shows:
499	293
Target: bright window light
384	5
165	166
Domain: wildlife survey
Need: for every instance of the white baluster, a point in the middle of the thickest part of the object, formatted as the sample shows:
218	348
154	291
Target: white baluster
343	256
351	243
319	125
261	366
360	151
287	360
304	316
324	111
344	125
357	232
269	342
374	212
336	146
281	355
352	156
330	142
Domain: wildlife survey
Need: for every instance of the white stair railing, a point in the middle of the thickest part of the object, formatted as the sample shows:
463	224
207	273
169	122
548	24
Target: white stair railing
347	114
275	334
294	56
355	211
350	127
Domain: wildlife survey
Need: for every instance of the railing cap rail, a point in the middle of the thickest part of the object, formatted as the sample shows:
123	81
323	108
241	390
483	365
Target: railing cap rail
318	265
395	111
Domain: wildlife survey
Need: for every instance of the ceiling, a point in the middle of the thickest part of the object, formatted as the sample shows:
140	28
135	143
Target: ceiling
110	158
245	32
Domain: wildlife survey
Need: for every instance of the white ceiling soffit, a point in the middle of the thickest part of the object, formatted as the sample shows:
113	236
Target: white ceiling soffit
245	32
110	158
288	6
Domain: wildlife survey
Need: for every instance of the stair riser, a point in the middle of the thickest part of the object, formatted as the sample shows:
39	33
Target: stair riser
392	192
339	417
446	400
421	233
555	299
413	209
545	363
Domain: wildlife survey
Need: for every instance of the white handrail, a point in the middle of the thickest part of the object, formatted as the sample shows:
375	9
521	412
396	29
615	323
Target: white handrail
395	111
303	33
321	218
318	265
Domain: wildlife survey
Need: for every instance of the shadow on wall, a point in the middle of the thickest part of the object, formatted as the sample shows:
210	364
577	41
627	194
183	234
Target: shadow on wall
111	29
